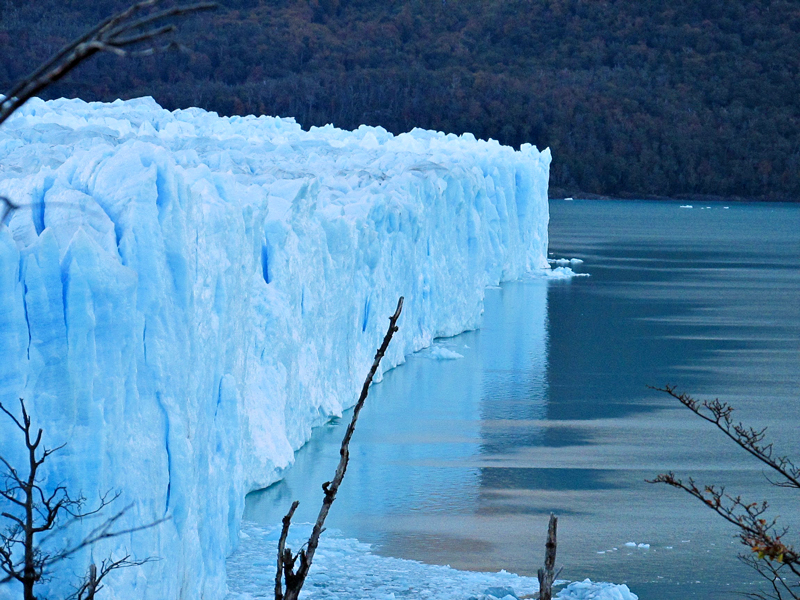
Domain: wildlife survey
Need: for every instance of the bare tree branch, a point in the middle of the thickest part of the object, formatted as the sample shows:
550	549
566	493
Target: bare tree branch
114	34
748	438
294	580
45	515
767	553
287	521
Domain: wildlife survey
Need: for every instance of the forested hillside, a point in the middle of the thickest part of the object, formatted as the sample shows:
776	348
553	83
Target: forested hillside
634	97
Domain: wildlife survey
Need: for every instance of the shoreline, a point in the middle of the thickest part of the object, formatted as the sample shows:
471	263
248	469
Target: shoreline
561	193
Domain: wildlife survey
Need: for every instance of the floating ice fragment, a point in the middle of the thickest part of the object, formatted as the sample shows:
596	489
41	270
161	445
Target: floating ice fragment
563	273
686	206
564	261
441	353
631	544
589	590
644	546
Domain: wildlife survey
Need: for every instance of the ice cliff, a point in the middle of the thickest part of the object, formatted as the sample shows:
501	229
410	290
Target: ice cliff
184	296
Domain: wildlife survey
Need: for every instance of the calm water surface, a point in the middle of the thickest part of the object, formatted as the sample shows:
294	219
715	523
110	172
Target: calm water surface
460	462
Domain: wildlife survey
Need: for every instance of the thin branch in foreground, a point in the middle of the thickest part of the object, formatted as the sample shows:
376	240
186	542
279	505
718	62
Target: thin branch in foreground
767	553
115	35
749	439
35	516
287	521
294	579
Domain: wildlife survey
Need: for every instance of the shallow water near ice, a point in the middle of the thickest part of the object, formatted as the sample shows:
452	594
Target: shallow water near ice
459	461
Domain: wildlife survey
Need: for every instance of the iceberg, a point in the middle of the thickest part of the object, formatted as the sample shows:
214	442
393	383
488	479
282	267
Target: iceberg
184	296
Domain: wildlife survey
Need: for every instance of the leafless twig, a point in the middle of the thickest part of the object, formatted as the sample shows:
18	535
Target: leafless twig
123	34
748	438
36	515
767	553
119	34
294	579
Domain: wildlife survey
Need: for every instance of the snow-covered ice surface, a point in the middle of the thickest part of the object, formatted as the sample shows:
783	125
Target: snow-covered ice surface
345	569
185	296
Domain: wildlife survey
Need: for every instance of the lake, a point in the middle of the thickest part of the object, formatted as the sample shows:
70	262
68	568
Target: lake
461	461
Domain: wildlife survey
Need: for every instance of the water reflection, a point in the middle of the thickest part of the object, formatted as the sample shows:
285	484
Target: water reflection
459	462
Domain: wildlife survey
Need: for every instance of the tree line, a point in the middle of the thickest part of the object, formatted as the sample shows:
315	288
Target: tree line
634	97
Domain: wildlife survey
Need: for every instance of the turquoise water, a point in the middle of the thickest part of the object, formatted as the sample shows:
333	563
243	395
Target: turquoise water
460	462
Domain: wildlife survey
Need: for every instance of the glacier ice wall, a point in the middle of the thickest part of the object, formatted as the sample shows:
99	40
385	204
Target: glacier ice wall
184	296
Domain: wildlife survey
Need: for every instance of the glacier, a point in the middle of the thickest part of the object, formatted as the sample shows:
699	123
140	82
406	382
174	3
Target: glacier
184	296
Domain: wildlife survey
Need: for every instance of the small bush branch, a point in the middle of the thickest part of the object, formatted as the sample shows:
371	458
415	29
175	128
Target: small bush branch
294	579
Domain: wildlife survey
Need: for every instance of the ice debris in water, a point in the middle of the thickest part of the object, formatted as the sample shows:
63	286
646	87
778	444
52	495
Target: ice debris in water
589	590
563	262
442	353
563	273
347	569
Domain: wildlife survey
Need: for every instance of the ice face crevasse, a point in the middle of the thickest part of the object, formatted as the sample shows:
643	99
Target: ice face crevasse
185	296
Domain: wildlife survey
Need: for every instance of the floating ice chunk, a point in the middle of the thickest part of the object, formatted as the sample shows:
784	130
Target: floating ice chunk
564	261
644	546
442	353
686	206
589	590
563	273
631	544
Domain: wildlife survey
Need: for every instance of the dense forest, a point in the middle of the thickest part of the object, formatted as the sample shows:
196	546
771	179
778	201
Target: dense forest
674	98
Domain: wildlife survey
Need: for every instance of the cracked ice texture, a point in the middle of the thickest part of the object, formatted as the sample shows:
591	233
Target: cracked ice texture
185	296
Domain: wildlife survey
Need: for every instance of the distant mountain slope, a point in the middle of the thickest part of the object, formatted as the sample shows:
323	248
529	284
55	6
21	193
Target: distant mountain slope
635	97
